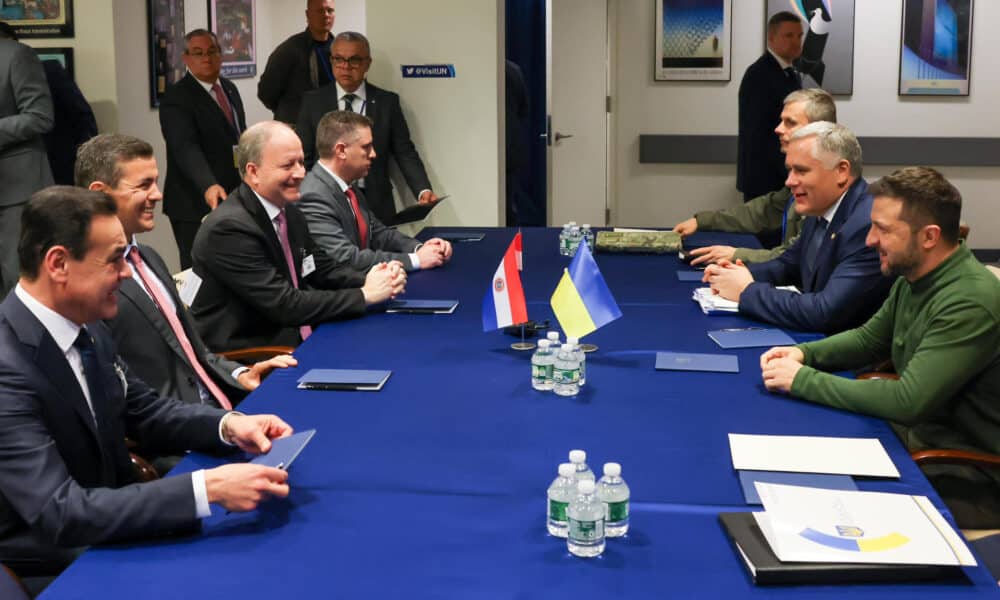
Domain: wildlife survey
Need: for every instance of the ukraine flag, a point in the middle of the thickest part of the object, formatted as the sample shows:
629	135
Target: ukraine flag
582	301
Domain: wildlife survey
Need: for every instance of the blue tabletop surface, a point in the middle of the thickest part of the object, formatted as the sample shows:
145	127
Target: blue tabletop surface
435	486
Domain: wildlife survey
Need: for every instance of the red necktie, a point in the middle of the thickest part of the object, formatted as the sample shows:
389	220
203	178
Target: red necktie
220	98
359	217
305	331
175	324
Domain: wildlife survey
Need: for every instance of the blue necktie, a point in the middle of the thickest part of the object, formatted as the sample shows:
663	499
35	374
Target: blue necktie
84	344
815	242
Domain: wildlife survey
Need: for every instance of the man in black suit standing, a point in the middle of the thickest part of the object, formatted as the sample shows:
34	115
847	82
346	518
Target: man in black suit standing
760	165
351	57
201	117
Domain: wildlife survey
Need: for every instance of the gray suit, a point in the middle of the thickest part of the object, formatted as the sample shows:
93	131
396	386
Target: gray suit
25	114
334	229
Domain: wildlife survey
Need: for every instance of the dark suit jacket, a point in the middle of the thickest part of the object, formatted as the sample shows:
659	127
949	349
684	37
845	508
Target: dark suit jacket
292	70
844	289
391	138
200	144
74	124
68	483
159	359
25	114
333	226
760	165
247	297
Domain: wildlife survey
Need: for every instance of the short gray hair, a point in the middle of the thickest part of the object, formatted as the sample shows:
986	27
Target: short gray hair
818	104
833	141
353	36
253	140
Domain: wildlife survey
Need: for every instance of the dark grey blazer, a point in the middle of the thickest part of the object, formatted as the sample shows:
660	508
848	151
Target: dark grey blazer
25	114
334	228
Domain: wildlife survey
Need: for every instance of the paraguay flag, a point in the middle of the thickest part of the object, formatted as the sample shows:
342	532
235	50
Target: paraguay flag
504	303
582	301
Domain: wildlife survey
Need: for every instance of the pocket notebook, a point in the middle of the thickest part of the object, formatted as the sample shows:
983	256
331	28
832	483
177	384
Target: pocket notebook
750	337
684	361
462	236
284	450
433	307
816	480
343	379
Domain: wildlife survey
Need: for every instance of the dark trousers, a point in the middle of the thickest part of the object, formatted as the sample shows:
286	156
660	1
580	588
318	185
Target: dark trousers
184	232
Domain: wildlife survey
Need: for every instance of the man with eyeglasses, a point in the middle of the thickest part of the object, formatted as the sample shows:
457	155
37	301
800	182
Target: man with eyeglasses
351	58
201	117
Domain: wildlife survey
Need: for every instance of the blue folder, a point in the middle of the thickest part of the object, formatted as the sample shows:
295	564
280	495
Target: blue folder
690	275
750	337
462	236
434	307
686	361
343	379
284	450
815	480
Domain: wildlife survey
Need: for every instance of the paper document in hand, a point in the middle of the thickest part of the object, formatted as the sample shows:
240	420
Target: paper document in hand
813	525
710	302
809	454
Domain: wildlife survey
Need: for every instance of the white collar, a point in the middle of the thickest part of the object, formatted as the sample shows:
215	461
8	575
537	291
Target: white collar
340	182
830	212
784	63
361	92
62	330
272	210
207	86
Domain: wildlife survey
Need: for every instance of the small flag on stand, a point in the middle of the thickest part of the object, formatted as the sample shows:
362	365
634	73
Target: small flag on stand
504	303
582	301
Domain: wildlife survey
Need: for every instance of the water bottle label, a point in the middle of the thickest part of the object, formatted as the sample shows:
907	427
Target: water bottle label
586	531
617	511
566	375
539	372
557	510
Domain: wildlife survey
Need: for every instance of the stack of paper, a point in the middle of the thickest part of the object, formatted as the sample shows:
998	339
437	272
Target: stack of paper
811	454
713	303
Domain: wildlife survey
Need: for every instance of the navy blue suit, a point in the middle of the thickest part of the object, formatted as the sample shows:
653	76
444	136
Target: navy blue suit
844	289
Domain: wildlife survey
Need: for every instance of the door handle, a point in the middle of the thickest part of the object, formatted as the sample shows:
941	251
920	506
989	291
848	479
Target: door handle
562	136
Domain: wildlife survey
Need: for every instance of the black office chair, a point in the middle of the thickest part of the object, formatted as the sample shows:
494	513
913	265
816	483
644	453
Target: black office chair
988	549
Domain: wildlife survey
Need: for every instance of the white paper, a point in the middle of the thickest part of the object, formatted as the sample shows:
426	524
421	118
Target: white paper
804	524
308	266
811	454
189	290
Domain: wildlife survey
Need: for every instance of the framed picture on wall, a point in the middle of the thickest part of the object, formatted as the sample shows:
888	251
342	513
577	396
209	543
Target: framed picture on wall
63	56
935	54
39	18
166	46
693	40
235	24
827	59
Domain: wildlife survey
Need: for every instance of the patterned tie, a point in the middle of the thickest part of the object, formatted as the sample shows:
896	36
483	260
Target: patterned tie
84	344
359	218
349	102
220	98
163	304
816	241
305	331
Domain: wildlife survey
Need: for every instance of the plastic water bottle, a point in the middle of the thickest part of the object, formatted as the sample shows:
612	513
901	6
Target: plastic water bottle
585	522
614	493
553	337
566	373
581	357
564	240
578	458
574	240
587	233
542	362
560	493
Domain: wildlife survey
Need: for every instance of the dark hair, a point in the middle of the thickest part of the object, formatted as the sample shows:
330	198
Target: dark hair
352	36
59	215
335	126
101	158
928	199
781	17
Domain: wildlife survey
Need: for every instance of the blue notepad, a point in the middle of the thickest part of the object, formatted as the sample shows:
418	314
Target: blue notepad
284	450
343	379
816	480
690	275
462	236
750	337
686	361
434	307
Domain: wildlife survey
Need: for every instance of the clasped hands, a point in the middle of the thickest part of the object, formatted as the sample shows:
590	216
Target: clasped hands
728	279
384	282
778	367
434	253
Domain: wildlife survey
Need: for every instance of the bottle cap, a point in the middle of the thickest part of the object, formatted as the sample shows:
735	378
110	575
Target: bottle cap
553	335
577	456
586	486
586	226
572	223
567	469
543	343
612	469
572	340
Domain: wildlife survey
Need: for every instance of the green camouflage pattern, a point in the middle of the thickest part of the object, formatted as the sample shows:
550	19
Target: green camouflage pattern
652	242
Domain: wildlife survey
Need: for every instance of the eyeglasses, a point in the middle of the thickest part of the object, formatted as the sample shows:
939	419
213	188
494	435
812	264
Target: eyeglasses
354	61
212	53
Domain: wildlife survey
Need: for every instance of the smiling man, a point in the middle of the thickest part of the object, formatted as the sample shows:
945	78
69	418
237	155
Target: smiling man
941	328
838	276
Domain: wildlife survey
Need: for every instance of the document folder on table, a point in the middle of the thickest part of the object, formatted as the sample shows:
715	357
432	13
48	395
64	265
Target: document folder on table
816	480
690	275
426	307
766	569
462	236
686	361
284	451
343	379
750	337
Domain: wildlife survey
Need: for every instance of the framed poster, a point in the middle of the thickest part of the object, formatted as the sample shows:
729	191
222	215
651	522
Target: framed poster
235	24
693	40
63	56
166	46
827	59
39	18
935	55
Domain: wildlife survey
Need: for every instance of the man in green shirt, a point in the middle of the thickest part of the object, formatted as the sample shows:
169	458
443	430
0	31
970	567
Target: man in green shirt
772	212
941	328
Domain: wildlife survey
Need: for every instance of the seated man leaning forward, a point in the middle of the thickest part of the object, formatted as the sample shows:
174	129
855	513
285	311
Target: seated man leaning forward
941	328
264	281
773	212
67	402
838	276
338	215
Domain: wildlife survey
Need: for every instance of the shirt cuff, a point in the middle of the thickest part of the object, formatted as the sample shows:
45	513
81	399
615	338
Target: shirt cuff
222	422
422	193
201	506
414	261
239	371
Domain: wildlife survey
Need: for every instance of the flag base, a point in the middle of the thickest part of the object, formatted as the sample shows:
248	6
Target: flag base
523	346
588	348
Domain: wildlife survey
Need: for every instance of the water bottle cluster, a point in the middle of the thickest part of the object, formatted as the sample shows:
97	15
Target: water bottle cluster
585	512
561	368
570	236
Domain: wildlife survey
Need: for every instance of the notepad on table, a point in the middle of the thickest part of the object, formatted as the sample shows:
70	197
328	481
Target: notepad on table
750	337
686	361
285	450
344	379
864	457
435	307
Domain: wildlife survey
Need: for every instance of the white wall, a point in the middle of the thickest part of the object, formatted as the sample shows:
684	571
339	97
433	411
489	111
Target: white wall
661	194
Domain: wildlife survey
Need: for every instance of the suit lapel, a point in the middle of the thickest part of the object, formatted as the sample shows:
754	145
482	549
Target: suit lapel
371	102
340	204
256	210
824	259
137	296
210	106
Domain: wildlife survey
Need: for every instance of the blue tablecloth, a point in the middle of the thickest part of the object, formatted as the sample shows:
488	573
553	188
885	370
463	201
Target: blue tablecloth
435	486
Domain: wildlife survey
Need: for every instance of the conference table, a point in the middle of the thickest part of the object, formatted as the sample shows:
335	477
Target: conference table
435	486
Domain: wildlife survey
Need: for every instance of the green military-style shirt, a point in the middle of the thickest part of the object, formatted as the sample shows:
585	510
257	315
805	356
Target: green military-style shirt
770	212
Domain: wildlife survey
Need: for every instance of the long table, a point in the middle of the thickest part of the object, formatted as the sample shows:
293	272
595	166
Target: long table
435	486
